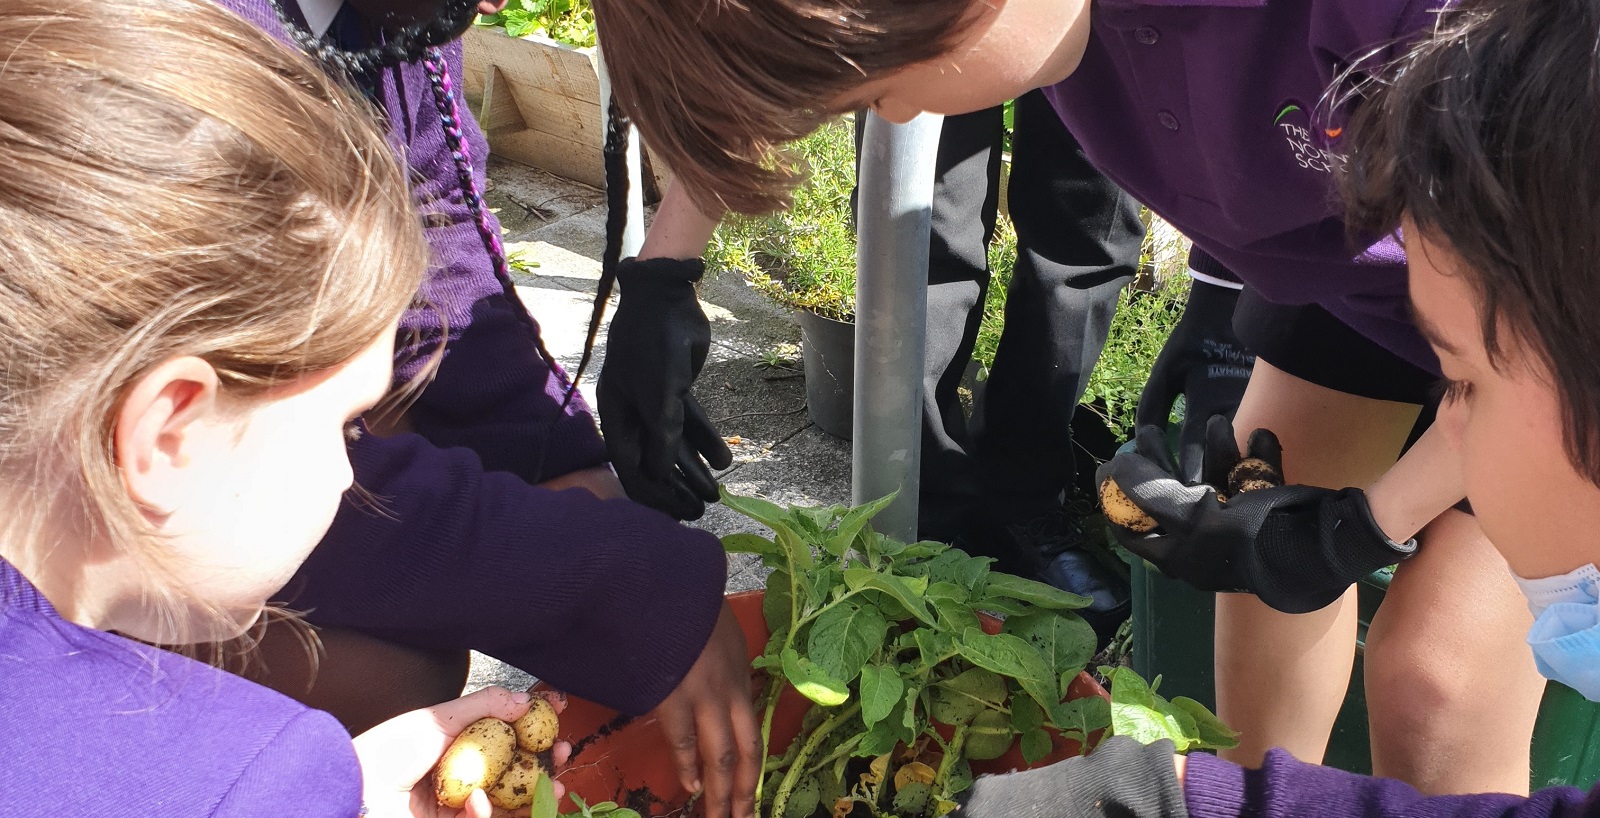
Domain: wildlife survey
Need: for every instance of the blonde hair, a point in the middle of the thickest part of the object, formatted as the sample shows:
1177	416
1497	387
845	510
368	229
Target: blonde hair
174	183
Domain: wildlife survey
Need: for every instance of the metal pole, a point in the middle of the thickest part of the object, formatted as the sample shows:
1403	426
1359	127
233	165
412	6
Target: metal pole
633	233
893	217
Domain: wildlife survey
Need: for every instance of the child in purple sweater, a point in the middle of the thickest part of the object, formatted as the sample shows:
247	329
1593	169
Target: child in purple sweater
201	273
1477	153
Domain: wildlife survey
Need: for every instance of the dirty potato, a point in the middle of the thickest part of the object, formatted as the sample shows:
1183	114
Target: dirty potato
1121	511
536	731
514	790
1253	473
475	761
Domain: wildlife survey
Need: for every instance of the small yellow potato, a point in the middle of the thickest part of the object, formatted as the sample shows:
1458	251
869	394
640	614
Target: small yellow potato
475	761
514	790
536	731
1121	511
1252	473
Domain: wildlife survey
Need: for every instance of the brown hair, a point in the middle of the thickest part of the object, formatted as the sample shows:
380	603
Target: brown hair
176	183
1487	138
717	87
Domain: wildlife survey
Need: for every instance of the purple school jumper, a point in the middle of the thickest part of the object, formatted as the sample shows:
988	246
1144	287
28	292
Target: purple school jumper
609	600
1286	788
95	724
1208	111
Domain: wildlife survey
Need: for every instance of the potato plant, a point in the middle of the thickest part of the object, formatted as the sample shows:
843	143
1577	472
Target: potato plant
883	637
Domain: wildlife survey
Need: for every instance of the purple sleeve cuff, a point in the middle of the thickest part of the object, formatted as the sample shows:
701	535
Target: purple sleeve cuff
606	599
1285	787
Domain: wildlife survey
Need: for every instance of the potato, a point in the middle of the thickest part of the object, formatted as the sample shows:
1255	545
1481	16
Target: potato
1253	473
514	790
1121	511
475	761
536	731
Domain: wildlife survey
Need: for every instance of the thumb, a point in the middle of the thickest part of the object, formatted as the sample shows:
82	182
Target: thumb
1161	391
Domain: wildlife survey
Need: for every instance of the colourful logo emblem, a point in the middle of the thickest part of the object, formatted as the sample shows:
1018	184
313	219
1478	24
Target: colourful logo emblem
1309	145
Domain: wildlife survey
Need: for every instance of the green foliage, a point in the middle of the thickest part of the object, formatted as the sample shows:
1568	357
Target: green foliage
570	22
604	809
804	257
883	638
1139	329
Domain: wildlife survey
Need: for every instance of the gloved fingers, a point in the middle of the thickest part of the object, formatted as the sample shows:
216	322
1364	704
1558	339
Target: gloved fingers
703	437
662	437
1157	549
1264	446
1191	449
1221	451
669	496
1156	491
1150	442
696	477
1160	391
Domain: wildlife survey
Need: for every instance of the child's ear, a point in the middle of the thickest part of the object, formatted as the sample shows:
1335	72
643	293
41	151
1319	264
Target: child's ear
156	427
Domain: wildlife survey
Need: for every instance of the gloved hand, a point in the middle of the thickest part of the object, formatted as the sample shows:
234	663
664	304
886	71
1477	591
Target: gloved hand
1296	547
1203	361
655	431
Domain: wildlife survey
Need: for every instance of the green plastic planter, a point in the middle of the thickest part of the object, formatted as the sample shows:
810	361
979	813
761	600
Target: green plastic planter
1173	636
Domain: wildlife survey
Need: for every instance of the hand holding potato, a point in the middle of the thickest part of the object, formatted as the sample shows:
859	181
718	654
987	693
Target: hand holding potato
398	756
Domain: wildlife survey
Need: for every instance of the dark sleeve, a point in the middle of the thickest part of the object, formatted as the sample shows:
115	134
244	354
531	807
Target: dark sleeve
607	599
495	391
1286	787
308	769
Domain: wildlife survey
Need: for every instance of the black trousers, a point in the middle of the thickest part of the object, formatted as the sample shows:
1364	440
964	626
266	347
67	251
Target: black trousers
1078	243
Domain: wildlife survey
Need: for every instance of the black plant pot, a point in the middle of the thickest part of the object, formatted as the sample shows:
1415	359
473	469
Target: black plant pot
828	348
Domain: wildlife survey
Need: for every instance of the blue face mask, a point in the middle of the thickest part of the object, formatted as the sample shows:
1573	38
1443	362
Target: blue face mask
1565	636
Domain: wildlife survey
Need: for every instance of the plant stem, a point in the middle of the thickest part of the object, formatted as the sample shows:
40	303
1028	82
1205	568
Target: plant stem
842	749
952	754
774	687
780	799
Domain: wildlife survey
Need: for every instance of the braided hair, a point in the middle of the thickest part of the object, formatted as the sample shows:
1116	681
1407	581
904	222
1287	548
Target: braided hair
421	42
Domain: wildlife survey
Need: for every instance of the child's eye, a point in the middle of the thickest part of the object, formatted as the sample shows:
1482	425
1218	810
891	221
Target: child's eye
1449	391
352	430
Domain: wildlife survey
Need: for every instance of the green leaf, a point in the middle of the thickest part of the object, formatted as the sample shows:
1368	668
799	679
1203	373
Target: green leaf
958	699
776	604
1138	713
544	798
935	646
813	682
812	522
1211	733
845	637
923	549
881	688
1004	607
887	732
1064	639
1033	593
960	777
949	591
1026	715
1036	746
901	588
747	543
797	549
853	521
1081	716
955	566
955	616
762	511
1011	656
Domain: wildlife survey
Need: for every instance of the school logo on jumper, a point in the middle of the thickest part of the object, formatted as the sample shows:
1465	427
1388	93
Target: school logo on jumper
1308	143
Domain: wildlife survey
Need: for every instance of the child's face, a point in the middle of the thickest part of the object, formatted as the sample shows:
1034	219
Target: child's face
1506	425
258	489
1013	47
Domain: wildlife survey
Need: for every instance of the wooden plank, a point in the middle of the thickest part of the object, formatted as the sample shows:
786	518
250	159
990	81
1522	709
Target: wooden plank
562	157
498	113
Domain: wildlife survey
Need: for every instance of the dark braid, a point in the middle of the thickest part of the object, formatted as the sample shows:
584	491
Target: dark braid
407	44
618	127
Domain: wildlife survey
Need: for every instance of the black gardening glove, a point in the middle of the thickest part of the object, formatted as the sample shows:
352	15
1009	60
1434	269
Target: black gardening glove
1296	547
1203	361
655	431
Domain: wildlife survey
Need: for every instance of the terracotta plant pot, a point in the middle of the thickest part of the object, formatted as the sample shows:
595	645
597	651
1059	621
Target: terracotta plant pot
629	762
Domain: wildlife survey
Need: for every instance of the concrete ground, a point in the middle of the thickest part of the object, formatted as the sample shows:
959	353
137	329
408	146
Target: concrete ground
559	226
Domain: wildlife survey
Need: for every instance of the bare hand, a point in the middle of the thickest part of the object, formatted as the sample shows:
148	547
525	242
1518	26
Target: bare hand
711	726
398	755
